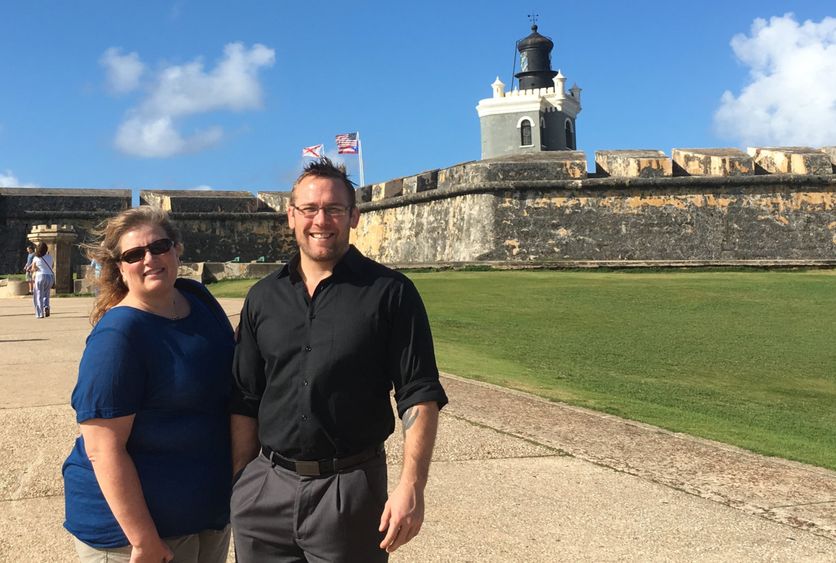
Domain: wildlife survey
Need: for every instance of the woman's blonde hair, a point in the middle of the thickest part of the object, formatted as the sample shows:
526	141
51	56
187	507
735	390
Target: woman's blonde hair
105	250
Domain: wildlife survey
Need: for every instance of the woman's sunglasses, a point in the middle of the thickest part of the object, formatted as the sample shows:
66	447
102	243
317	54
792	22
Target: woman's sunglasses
136	254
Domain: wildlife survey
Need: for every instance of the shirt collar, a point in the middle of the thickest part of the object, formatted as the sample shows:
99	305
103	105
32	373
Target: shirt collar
352	261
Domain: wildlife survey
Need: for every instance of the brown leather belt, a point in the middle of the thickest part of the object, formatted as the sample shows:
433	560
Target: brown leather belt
322	467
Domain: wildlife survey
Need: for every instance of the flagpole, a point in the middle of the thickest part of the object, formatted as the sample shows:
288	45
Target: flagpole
360	154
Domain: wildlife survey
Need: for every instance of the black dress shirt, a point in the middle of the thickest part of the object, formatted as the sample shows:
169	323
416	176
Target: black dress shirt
317	371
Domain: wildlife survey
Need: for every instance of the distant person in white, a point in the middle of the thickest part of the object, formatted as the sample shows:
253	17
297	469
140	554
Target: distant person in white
42	266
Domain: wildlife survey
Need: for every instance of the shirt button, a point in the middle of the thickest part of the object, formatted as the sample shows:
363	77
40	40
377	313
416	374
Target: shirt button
305	382
304	417
308	348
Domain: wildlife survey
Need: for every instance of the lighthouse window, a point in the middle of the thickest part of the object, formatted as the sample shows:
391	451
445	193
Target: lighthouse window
525	133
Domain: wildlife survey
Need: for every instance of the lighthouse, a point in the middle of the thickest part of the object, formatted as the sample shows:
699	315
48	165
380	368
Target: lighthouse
537	116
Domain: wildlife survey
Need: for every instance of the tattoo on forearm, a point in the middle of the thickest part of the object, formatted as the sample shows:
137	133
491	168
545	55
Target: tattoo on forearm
409	418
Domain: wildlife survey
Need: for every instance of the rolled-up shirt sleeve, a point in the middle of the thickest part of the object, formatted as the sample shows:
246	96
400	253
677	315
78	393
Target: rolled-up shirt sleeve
247	368
411	356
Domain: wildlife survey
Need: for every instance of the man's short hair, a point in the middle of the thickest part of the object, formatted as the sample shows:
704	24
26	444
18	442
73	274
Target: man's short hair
324	167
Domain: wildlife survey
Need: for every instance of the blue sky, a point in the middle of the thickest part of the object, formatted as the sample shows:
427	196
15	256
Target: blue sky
223	95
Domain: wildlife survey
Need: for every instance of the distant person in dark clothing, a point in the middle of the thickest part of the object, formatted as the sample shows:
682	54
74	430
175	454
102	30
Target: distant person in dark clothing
322	343
30	277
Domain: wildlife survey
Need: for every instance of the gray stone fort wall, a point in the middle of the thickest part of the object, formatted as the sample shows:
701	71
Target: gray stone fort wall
709	206
216	226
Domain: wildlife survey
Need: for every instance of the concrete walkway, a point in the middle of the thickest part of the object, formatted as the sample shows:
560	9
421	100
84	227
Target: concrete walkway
515	478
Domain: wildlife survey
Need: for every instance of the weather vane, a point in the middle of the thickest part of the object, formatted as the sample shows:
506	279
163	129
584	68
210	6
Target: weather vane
533	18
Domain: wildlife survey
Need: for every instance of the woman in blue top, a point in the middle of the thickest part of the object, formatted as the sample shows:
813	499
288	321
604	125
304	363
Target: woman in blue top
149	478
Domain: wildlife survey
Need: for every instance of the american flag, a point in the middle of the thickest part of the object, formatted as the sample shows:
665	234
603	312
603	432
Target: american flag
313	152
347	143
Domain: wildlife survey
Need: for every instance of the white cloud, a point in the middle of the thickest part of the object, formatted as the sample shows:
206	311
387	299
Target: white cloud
202	188
151	128
791	97
123	71
9	180
156	137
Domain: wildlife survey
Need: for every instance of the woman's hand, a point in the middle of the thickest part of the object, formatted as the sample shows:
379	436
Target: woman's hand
152	554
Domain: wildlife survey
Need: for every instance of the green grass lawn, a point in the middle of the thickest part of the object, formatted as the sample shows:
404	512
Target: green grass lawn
743	357
231	288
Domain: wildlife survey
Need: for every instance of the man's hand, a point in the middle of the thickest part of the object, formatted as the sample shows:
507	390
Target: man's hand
402	516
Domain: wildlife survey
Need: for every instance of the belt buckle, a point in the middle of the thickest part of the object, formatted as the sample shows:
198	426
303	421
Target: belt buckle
308	468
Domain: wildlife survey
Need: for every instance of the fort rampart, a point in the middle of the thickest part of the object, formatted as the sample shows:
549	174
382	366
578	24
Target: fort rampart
711	206
217	226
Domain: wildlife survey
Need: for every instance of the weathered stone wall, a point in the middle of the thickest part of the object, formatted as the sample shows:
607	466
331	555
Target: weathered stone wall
23	208
695	219
223	226
542	209
455	229
701	205
216	226
220	237
692	220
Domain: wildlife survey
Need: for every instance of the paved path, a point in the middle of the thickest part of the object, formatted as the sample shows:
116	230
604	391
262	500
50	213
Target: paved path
515	478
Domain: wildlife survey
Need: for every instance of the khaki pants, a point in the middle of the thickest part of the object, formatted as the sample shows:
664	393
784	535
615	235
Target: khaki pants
208	546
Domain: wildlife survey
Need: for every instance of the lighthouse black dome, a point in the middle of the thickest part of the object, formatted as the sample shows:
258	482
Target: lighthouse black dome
535	40
535	61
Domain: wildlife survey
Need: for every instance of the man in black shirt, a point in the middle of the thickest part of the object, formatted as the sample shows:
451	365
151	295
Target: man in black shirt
322	342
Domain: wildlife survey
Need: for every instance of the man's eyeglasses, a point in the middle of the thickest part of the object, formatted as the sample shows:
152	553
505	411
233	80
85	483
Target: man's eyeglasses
311	211
133	255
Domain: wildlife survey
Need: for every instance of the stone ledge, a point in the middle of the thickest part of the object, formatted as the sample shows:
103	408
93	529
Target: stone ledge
683	184
831	153
617	265
790	160
633	163
554	165
201	201
420	182
216	271
14	288
711	162
274	201
66	192
386	190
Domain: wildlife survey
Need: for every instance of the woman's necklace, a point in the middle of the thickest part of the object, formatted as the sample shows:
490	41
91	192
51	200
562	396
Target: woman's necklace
176	317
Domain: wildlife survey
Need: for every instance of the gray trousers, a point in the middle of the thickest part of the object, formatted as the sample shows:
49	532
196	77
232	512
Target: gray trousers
278	516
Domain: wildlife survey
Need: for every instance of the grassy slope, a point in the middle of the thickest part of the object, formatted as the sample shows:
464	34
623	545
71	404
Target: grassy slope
746	358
